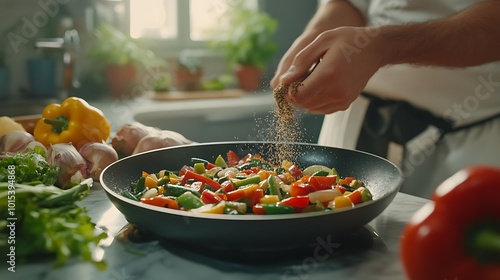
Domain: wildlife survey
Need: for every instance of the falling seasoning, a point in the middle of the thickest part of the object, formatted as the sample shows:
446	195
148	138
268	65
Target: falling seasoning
287	127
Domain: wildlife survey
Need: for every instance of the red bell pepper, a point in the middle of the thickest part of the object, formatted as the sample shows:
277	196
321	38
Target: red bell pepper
355	196
200	178
228	186
209	197
232	158
457	234
298	189
295	171
298	202
161	201
323	182
255	196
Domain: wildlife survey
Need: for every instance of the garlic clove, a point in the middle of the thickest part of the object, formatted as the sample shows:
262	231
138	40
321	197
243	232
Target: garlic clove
72	166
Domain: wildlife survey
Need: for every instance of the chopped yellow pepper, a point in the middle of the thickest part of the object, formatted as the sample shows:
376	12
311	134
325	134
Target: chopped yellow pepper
73	121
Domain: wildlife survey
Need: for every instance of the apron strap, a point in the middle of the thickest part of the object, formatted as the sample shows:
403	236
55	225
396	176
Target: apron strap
398	121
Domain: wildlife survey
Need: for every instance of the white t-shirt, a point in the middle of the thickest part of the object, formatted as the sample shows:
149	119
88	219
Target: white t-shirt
464	95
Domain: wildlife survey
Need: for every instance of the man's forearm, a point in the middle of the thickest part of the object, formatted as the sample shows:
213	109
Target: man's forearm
335	13
469	38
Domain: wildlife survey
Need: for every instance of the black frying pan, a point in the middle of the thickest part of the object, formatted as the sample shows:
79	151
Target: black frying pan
252	232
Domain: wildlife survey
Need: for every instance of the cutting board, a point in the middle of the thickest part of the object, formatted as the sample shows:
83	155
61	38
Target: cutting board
202	94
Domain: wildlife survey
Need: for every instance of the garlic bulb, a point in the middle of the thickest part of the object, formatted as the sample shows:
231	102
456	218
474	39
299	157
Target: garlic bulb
15	141
163	139
73	168
98	156
127	137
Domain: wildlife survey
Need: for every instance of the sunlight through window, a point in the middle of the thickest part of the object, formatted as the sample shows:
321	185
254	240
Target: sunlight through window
157	19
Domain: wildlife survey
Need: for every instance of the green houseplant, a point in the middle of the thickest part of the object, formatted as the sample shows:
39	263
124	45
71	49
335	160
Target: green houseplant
119	56
247	37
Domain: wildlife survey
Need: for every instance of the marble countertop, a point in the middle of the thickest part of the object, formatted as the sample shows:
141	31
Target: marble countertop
153	260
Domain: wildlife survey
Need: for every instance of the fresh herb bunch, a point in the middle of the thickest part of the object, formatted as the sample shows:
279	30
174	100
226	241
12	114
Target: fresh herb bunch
46	219
30	168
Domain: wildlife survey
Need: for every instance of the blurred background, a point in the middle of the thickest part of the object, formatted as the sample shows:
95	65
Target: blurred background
115	49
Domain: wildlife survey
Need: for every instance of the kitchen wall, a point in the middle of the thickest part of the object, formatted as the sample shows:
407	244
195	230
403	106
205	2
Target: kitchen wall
32	20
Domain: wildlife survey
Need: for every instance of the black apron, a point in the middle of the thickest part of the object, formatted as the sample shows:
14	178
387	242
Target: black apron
395	121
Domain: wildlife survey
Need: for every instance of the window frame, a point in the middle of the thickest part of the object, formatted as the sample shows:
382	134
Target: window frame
171	47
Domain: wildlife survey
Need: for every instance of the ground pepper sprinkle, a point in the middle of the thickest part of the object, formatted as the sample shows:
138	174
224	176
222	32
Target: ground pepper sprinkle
287	127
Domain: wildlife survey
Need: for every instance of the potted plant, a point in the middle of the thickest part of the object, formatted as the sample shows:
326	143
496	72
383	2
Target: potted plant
188	72
161	83
119	56
247	37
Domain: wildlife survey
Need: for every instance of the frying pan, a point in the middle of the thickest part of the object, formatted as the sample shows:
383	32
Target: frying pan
252	232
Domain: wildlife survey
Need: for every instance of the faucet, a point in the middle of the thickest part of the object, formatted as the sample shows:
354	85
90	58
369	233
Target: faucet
69	44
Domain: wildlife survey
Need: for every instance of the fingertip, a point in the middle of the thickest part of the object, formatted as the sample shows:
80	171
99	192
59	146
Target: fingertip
288	76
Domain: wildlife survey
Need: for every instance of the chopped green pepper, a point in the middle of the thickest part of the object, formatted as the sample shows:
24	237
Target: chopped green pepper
175	190
356	184
321	173
139	185
219	161
247	181
272	209
234	206
199	168
189	201
274	187
366	195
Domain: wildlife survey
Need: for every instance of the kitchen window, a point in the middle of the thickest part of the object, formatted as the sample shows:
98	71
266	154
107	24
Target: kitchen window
177	23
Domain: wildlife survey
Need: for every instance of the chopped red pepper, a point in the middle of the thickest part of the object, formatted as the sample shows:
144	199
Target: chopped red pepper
296	201
355	196
298	189
210	165
258	209
242	192
208	197
184	169
228	186
295	171
232	158
161	201
255	196
246	158
323	182
197	177
235	195
342	189
346	181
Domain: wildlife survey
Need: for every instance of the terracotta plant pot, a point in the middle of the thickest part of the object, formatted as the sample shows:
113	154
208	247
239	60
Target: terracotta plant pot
248	77
186	80
120	79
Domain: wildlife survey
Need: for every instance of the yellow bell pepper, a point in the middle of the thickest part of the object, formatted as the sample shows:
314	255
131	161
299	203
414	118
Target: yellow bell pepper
73	121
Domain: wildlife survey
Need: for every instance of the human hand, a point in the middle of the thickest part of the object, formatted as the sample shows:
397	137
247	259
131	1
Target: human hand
299	44
349	57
